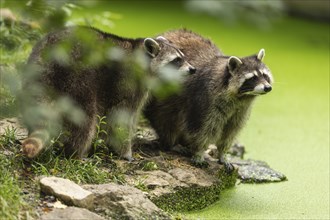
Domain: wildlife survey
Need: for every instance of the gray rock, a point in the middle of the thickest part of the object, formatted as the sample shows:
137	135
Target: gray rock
157	178
183	175
67	191
250	171
253	171
123	202
71	213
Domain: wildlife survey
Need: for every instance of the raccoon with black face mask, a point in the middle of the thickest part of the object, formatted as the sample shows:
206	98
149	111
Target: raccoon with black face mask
212	107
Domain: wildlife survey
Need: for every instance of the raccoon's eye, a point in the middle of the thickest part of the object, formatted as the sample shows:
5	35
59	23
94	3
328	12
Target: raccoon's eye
255	77
177	61
266	77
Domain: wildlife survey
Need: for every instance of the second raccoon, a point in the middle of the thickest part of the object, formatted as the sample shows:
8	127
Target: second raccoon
214	102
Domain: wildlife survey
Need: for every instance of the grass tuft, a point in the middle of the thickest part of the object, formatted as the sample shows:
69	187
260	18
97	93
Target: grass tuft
12	203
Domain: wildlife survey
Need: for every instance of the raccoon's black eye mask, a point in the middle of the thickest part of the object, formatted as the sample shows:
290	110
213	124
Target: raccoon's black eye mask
177	61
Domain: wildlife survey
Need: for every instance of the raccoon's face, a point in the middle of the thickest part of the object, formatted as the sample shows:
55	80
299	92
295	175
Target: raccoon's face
250	76
164	54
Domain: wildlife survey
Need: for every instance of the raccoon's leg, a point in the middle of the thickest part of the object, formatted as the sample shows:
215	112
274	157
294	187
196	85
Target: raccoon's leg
223	144
166	140
166	131
121	126
230	131
198	159
228	166
78	143
197	147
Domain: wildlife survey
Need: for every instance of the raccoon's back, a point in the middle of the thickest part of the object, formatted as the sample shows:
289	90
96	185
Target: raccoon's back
198	50
58	75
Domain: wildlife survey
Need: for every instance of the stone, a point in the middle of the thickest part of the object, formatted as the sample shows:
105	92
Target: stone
123	202
254	171
183	175
67	191
71	213
249	171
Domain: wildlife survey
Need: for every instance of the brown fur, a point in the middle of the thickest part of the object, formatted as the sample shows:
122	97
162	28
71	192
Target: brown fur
107	86
210	108
198	49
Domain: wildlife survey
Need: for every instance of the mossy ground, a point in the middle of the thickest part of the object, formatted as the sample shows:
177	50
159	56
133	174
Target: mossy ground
196	198
191	189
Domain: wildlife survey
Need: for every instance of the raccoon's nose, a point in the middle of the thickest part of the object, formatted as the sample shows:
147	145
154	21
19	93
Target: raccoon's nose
192	70
268	88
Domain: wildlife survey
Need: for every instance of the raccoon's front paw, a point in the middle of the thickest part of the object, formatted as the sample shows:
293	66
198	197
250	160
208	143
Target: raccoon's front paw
127	157
31	147
228	166
199	162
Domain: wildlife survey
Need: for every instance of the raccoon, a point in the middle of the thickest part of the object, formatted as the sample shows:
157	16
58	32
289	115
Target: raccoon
113	85
214	102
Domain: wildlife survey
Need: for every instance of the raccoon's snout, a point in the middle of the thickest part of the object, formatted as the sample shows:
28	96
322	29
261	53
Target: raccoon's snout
192	70
268	88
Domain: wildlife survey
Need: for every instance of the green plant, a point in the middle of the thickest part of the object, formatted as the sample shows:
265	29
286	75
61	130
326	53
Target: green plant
149	165
79	171
141	185
9	137
101	135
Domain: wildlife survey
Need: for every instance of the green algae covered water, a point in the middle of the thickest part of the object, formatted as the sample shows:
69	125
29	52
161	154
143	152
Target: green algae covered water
288	128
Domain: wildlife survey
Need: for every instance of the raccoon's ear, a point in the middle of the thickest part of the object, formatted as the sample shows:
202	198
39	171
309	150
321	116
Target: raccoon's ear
151	46
233	63
261	54
162	39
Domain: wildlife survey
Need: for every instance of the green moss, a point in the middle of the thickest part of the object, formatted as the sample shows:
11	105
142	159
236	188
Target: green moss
149	165
227	181
195	198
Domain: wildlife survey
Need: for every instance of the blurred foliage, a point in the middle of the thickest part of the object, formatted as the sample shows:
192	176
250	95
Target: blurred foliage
259	13
22	23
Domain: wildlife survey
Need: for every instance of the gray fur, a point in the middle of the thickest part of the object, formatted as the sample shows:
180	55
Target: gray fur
112	86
